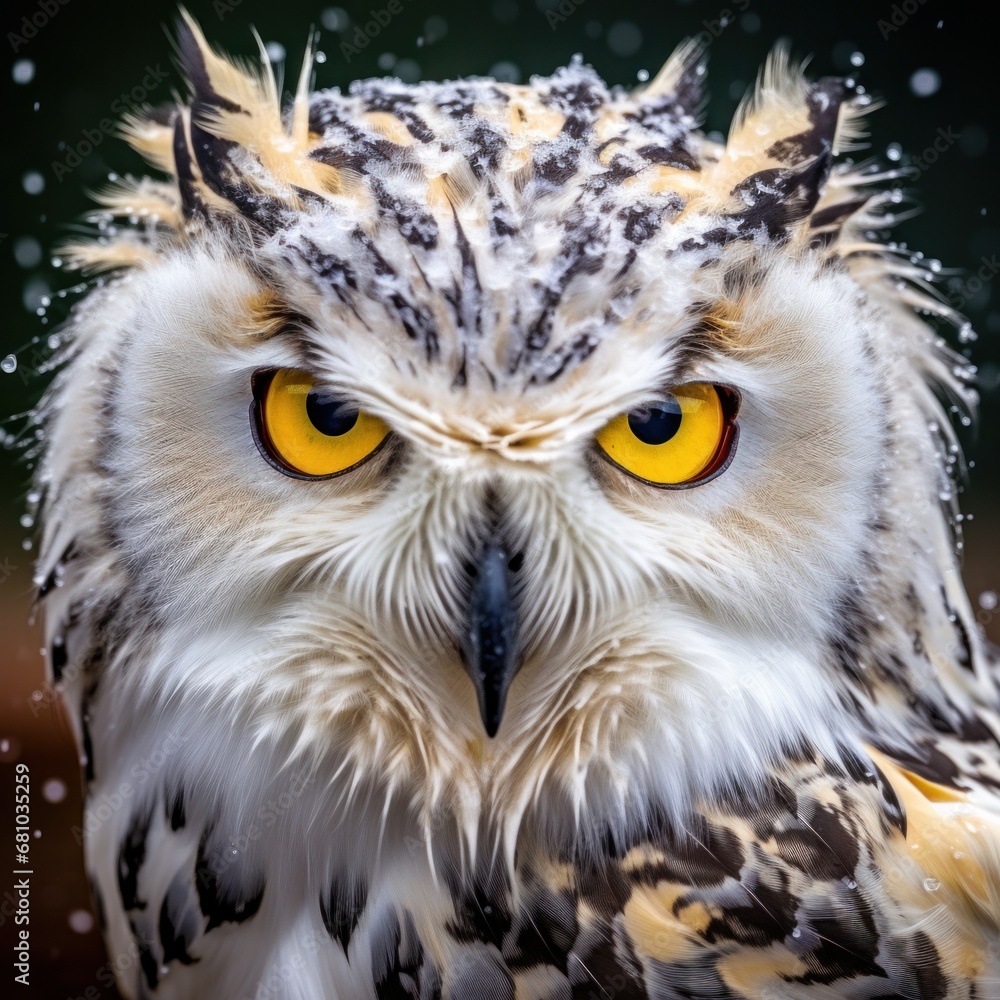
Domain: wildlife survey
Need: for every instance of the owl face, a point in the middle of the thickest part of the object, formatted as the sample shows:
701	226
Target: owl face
467	426
623	599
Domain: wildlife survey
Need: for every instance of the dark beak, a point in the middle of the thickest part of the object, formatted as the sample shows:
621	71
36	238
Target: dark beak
489	646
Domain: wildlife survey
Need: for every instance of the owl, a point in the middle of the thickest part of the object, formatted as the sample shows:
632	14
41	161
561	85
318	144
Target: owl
499	543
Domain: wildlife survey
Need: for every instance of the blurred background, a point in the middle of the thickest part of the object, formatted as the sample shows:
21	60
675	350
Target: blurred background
70	67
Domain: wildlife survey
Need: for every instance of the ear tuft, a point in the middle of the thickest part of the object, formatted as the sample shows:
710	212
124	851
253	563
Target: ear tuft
218	85
776	163
680	83
233	140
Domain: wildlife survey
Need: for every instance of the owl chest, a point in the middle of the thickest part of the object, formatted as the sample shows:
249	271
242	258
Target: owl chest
265	896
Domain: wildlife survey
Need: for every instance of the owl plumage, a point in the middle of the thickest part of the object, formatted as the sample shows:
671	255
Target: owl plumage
487	714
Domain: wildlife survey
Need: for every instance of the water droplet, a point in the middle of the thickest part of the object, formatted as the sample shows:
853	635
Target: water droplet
27	520
857	59
505	71
81	921
642	75
624	38
54	790
275	51
320	57
408	70
9	364
932	884
33	182
796	933
988	599
894	151
334	18
33	291
26	545
435	28
27	251
23	71
925	82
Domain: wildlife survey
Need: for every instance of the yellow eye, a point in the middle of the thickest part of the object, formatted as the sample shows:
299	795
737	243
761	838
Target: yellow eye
308	431
682	439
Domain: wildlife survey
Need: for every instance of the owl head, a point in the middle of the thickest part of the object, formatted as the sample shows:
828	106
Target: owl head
515	451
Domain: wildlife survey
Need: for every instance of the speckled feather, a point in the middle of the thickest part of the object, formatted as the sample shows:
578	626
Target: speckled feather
753	750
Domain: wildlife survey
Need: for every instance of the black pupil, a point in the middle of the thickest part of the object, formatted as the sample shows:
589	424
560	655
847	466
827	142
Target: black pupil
656	423
329	413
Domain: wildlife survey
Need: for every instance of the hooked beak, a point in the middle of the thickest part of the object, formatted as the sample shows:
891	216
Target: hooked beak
489	645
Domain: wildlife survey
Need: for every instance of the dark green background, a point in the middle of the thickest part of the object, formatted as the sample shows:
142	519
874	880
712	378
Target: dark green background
90	51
